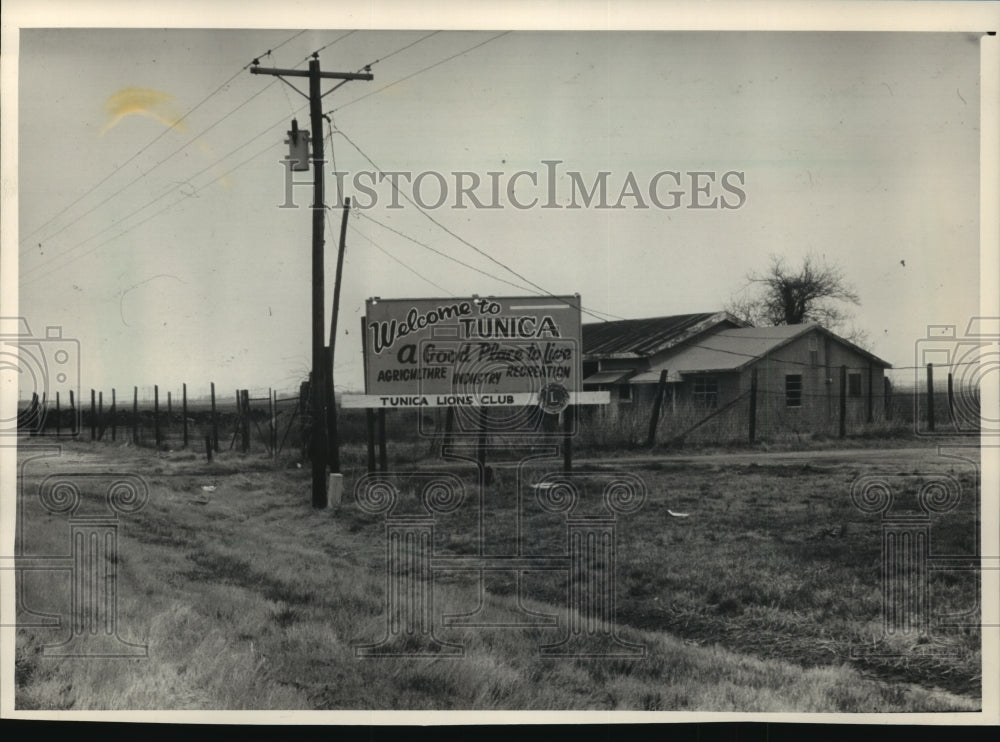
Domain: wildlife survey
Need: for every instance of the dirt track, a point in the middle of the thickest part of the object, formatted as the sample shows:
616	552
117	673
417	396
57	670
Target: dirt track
778	458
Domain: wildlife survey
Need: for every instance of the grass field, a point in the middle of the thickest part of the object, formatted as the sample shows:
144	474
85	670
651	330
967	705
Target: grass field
758	600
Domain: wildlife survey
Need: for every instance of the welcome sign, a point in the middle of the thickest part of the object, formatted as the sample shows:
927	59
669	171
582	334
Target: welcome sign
493	351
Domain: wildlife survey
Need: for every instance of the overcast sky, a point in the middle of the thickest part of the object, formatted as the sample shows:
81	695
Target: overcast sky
860	147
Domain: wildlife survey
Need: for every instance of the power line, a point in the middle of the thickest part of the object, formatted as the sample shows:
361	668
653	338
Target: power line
142	175
270	51
410	268
420	71
333	156
184	146
187	144
163	195
150	203
443	254
153	216
326	46
150	144
367	67
401	49
486	255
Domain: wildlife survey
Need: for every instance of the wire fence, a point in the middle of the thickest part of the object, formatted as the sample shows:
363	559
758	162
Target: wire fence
902	413
278	422
245	420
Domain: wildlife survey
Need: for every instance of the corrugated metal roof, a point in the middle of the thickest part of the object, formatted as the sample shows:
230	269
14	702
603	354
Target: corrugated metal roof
730	349
640	338
608	377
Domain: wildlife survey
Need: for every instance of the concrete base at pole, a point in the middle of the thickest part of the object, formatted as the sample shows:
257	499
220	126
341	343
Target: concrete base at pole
335	489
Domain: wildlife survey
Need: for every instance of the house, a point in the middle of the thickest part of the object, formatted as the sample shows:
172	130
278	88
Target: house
709	361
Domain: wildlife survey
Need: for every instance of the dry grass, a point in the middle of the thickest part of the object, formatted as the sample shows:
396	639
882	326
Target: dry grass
247	598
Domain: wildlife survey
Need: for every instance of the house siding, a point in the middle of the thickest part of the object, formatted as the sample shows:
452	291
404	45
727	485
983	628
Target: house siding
815	356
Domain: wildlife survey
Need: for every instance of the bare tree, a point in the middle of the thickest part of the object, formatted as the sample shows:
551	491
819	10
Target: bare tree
812	293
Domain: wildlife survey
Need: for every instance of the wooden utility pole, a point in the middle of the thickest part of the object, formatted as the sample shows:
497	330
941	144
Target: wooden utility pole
318	442
334	438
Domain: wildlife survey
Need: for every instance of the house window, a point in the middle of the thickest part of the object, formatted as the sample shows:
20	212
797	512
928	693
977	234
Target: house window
705	391
854	385
624	392
793	390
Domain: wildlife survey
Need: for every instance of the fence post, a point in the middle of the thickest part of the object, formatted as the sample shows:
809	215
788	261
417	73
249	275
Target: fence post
246	421
383	456
58	416
568	438
239	421
930	397
184	411
370	424
951	400
272	427
654	418
305	423
887	393
72	412
114	415
481	443
170	410
753	405
33	416
270	422
449	424
93	415
101	424
156	415
215	422
843	401
135	416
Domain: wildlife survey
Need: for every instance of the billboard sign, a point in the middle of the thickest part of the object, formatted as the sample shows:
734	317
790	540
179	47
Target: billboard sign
493	351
